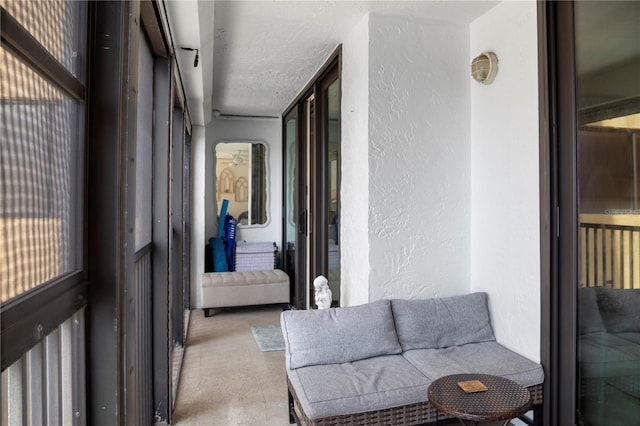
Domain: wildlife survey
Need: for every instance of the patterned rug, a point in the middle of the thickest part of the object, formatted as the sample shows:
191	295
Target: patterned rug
269	338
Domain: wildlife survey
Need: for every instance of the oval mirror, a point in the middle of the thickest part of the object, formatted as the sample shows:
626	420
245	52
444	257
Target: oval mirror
241	178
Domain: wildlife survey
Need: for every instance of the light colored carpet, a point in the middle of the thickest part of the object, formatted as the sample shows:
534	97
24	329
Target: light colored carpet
226	380
269	338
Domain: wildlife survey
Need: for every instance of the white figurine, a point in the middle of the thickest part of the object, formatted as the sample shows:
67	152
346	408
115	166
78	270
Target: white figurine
322	292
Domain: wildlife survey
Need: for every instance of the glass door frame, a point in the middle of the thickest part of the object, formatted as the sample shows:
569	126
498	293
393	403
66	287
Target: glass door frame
558	210
560	245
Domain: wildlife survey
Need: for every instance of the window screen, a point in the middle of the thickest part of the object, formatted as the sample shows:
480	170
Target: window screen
144	147
41	154
57	25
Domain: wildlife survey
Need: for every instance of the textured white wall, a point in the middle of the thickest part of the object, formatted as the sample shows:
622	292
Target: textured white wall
354	189
419	158
206	207
505	228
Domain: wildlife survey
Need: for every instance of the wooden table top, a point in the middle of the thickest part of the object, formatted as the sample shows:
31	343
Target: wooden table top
504	399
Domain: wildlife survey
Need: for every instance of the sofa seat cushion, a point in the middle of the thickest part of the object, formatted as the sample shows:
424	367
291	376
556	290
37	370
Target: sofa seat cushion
603	338
443	322
359	386
337	335
629	384
630	337
485	358
602	355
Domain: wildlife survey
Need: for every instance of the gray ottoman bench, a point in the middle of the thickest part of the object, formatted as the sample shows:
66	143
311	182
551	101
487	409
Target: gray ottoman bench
245	288
373	363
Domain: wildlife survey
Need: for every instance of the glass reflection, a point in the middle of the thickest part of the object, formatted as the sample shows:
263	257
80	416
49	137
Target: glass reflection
241	178
608	65
333	184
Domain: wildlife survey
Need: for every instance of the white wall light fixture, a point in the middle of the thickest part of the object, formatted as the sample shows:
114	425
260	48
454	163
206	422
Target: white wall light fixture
484	67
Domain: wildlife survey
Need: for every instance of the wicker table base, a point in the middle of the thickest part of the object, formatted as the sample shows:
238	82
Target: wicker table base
414	414
502	400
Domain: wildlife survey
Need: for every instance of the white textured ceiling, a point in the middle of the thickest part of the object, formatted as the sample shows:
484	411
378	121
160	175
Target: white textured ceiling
266	52
191	27
257	55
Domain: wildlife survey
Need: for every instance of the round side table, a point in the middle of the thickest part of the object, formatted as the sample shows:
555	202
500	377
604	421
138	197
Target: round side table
504	399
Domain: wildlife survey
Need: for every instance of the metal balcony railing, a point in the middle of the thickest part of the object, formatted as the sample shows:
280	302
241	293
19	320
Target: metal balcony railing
47	385
609	255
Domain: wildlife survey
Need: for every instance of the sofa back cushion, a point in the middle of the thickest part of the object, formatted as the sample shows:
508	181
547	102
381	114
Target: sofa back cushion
337	335
443	322
590	318
620	309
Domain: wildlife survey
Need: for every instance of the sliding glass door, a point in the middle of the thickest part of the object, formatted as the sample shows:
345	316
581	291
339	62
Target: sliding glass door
330	193
311	214
607	44
291	210
594	368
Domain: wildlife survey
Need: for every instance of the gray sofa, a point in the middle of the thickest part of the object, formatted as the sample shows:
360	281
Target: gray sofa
372	364
609	355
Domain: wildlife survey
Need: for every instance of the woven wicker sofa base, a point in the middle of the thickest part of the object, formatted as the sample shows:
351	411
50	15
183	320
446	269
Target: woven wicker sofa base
412	414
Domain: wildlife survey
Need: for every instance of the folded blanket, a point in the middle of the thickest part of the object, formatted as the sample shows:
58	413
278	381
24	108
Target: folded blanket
255	247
